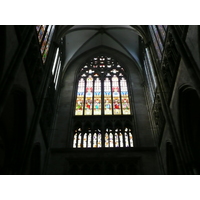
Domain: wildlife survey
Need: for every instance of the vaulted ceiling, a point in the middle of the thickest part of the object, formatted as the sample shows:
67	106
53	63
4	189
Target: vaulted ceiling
82	38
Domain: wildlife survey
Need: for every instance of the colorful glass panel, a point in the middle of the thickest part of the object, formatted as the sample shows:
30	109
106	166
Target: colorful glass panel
97	97
106	140
111	139
88	96
121	139
75	140
107	97
94	140
99	140
85	140
125	98
89	140
116	140
41	32
44	43
79	140
44	56
131	138
80	97
116	96
126	139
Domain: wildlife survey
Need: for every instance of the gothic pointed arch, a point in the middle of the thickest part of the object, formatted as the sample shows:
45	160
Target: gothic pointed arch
102	101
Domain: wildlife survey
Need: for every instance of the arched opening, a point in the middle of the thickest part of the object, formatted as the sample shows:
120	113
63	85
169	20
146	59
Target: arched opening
190	127
102	96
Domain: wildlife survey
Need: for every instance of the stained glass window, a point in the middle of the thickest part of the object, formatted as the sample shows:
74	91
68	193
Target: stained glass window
131	138
97	97
107	97
116	140
93	139
80	97
79	141
102	91
158	34
102	84
45	34
111	139
99	140
75	140
121	139
106	140
89	140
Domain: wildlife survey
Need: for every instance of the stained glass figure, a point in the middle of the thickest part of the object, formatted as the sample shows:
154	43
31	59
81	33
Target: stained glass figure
75	140
88	96
106	140
94	140
97	97
41	32
80	97
44	56
111	139
45	40
131	138
116	140
85	140
126	139
99	140
89	140
79	140
125	98
114	93
107	97
121	139
45	34
116	96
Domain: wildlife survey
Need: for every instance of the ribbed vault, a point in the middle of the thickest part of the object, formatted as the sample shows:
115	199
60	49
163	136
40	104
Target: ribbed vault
79	39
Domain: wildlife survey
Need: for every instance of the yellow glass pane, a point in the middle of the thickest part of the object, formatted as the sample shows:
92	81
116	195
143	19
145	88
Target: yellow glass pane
108	105
125	105
79	106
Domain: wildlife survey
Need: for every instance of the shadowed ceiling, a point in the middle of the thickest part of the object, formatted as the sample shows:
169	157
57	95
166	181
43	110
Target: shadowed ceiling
79	39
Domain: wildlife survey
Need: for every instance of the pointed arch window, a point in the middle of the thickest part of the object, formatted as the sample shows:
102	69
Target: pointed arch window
102	89
112	138
102	94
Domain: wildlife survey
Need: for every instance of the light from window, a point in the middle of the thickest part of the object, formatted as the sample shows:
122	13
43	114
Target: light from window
102	89
45	34
93	139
